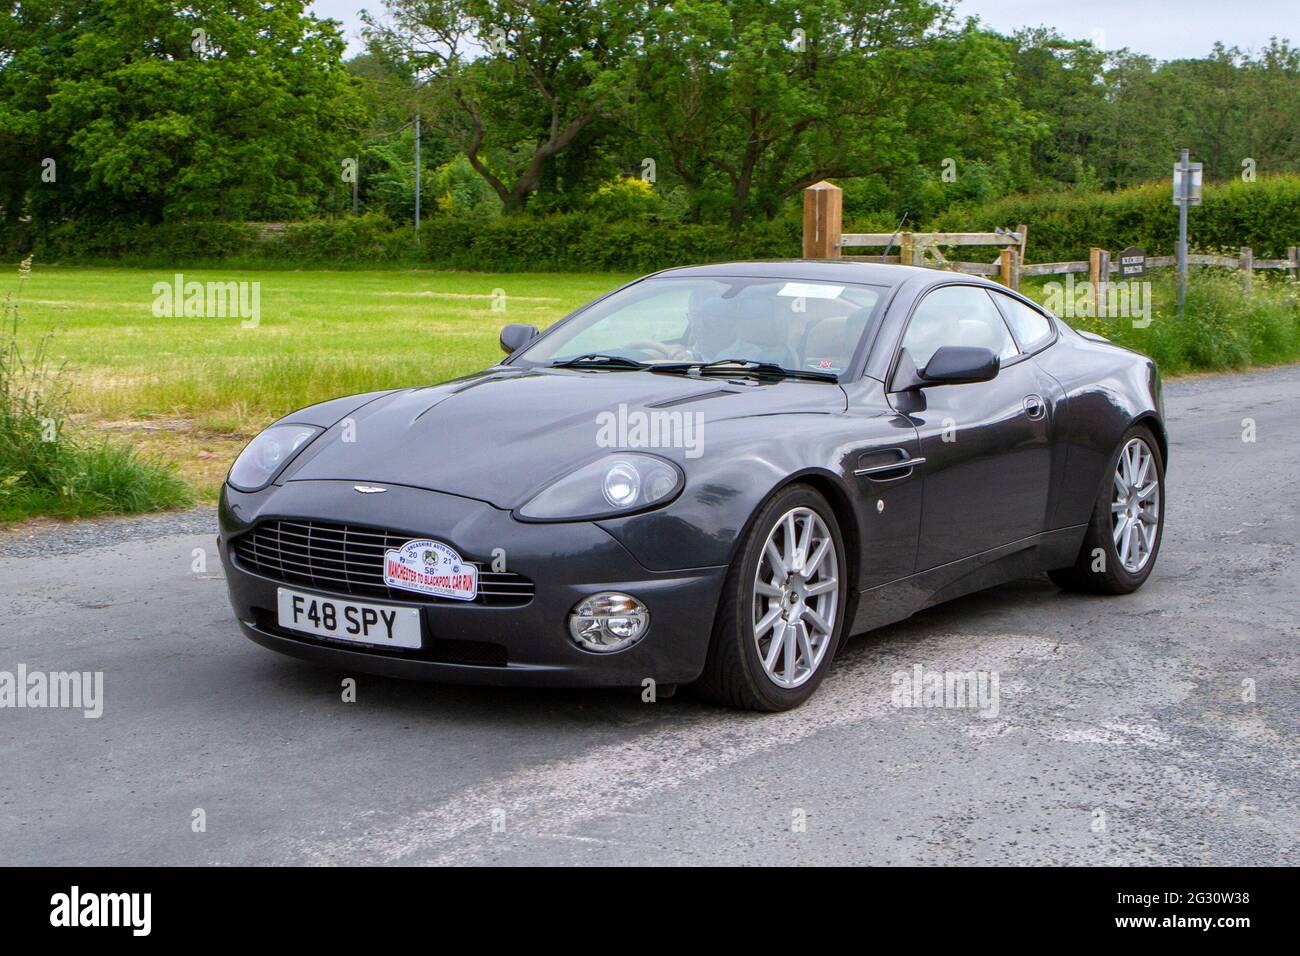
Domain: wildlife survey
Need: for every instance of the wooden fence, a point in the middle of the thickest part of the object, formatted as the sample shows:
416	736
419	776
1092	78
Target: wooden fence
823	239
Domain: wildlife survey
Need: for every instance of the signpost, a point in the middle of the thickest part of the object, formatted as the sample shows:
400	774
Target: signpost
1132	263
1187	192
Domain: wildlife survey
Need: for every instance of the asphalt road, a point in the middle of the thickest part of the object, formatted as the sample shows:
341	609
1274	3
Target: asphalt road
1125	730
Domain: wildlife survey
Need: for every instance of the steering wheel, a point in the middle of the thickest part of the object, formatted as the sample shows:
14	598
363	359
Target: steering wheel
651	349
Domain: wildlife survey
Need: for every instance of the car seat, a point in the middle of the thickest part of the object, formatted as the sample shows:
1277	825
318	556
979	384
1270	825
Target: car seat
767	329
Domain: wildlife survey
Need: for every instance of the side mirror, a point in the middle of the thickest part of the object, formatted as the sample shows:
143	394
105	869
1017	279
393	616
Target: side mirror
515	337
960	365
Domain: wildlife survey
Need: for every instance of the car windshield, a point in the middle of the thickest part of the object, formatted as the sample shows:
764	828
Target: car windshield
798	325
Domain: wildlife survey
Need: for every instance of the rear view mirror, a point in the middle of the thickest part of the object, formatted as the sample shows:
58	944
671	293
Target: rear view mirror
960	365
516	336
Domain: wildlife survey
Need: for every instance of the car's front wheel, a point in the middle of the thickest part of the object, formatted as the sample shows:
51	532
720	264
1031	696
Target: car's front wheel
781	613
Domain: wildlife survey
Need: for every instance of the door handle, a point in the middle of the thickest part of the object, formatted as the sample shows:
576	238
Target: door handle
1035	408
901	466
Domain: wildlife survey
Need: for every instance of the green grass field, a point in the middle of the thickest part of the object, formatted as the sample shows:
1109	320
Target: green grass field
194	389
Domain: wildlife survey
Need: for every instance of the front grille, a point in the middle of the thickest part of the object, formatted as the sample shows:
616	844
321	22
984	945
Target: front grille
347	559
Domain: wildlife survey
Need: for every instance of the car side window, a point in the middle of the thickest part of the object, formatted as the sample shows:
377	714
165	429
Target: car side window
956	315
1029	325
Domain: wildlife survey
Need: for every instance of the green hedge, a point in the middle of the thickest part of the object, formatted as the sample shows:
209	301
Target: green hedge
115	242
578	242
563	242
1264	215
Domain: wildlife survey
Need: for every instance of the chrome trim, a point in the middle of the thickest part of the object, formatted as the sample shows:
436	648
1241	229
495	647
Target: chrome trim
903	464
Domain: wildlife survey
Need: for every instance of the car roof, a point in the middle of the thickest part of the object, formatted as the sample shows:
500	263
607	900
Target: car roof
825	270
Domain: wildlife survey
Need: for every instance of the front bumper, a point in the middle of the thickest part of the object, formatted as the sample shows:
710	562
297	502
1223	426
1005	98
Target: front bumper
476	643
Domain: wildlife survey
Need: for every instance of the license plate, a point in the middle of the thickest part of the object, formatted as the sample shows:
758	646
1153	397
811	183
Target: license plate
381	625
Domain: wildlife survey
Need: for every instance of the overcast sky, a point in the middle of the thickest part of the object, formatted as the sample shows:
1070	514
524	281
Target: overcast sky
1167	29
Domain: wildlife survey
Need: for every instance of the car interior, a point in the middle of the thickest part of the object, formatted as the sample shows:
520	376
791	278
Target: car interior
960	316
797	333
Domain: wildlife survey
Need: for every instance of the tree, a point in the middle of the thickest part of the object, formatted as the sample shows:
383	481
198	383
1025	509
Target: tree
1058	80
1135	136
755	100
231	109
515	82
1272	97
1211	112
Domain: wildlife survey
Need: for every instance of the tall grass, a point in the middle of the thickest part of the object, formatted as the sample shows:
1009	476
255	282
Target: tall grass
47	470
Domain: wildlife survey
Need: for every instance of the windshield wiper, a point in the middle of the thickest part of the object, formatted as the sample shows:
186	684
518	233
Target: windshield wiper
736	366
598	360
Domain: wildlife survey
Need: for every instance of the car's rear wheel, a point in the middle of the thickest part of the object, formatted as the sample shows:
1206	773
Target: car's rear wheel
782	608
1123	537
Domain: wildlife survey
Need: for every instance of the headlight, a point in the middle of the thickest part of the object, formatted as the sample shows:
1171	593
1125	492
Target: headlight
267	454
616	484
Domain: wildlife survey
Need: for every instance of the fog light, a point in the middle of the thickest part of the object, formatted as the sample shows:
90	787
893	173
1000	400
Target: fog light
608	622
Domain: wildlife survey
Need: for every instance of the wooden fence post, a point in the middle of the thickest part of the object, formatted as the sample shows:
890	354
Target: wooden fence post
1247	269
906	250
1294	256
1098	277
823	205
1009	267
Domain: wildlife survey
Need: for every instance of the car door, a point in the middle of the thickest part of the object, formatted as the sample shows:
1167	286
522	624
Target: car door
986	445
1035	332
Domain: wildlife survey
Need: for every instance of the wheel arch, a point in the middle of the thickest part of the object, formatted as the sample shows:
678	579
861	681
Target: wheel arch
833	491
1152	421
830	487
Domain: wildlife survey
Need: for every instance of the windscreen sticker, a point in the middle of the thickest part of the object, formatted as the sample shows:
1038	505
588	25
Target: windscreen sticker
811	290
430	567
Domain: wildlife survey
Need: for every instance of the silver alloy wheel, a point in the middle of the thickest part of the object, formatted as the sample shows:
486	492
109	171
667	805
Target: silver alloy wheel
1135	505
796	597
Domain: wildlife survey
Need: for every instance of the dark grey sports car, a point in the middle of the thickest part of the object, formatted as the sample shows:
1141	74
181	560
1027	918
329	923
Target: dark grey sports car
711	475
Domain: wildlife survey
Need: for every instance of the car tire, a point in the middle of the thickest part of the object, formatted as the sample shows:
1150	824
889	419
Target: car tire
743	668
1105	564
